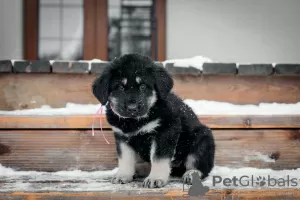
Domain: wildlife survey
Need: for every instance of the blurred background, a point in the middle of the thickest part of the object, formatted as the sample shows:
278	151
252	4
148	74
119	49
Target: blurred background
260	31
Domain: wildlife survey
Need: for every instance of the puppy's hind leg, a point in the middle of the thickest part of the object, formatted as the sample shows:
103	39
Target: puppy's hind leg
201	158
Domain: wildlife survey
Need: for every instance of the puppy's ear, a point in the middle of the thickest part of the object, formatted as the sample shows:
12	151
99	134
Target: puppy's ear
163	82
100	86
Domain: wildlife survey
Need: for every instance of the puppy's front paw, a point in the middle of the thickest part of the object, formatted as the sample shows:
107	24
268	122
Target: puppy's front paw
190	174
121	179
154	182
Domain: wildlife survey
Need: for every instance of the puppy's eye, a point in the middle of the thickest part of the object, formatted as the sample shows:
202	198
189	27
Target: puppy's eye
121	87
142	87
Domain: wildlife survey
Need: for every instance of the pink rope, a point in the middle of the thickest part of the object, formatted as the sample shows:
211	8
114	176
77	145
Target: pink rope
99	112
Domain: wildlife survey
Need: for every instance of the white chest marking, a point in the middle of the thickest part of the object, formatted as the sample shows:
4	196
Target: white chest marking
117	130
150	127
147	128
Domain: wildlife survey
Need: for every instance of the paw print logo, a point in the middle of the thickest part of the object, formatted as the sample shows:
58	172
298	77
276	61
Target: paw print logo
261	181
197	188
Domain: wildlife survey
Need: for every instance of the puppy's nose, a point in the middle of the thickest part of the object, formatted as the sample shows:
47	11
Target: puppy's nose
132	107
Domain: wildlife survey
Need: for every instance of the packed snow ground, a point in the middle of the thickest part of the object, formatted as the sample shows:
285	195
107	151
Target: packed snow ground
11	180
200	107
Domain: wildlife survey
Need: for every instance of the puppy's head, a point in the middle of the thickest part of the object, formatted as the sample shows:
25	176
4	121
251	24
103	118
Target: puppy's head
131	85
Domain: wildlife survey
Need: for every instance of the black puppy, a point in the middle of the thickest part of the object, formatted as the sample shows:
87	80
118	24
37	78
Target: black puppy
152	123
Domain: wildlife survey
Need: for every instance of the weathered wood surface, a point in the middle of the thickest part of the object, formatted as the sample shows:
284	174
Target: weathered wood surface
262	194
57	150
53	150
85	121
24	91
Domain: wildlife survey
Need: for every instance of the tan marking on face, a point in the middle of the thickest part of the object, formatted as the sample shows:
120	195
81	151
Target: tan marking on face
124	81
138	80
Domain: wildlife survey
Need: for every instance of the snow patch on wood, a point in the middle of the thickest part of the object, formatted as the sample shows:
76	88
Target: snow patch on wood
257	156
200	107
92	61
76	180
196	62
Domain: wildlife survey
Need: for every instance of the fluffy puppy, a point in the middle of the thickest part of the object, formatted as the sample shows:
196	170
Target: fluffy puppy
152	123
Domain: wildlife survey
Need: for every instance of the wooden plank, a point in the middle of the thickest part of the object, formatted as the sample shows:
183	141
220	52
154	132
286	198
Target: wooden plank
62	150
158	194
56	90
20	91
251	121
239	89
57	150
85	121
239	148
51	122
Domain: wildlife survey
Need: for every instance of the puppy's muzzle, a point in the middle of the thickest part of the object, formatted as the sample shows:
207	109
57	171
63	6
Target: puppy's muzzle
133	107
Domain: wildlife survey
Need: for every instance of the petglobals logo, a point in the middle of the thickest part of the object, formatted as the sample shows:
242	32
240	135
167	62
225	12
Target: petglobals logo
253	181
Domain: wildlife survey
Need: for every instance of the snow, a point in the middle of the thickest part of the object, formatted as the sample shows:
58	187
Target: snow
257	156
238	64
200	107
204	107
91	61
12	173
51	62
69	109
196	62
13	62
77	180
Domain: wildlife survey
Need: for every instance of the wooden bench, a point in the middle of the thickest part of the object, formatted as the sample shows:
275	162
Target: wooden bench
52	143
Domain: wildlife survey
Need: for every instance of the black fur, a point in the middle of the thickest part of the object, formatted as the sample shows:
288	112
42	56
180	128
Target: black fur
179	128
101	86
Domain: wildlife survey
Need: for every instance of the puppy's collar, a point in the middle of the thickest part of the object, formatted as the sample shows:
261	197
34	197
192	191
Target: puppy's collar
99	112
